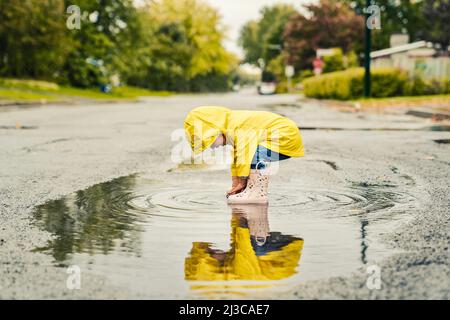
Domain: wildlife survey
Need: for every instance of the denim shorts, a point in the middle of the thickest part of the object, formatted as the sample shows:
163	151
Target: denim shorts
264	155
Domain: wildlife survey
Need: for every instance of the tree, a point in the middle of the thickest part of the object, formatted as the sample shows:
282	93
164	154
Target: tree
183	48
170	44
35	41
326	24
437	15
33	38
104	44
263	39
401	16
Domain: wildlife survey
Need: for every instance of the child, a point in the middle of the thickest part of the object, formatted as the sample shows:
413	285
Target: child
256	137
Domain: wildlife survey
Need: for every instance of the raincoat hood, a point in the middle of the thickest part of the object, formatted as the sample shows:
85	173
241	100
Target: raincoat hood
203	125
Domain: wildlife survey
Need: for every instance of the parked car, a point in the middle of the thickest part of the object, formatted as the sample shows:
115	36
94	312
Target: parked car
266	88
268	83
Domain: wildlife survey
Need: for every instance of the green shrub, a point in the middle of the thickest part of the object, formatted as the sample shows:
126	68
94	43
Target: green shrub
447	86
349	84
419	87
386	82
352	60
335	62
282	87
305	74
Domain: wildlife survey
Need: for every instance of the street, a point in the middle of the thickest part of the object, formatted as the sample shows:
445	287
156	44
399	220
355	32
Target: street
372	190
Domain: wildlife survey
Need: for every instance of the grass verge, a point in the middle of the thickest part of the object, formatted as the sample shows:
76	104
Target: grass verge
440	101
29	91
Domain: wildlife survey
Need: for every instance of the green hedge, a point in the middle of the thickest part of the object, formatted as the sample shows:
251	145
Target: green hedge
418	87
386	82
349	84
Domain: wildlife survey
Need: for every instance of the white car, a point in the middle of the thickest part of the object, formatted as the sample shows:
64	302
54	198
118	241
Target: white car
266	88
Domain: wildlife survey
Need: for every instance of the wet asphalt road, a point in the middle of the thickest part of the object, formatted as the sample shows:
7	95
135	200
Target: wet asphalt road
62	149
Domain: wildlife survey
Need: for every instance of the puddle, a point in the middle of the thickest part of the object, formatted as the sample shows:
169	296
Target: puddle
164	241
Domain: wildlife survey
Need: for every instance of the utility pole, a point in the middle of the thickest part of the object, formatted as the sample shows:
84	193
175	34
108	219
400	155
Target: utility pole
368	42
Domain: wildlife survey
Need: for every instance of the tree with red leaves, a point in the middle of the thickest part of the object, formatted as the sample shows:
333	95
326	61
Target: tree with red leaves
326	24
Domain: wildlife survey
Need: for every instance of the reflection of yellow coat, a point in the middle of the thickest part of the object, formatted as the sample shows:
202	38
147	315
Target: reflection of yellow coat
245	130
241	262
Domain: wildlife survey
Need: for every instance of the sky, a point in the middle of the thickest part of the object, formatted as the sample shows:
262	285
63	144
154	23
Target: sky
236	13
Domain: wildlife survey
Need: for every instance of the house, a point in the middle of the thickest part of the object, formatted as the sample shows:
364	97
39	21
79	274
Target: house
417	58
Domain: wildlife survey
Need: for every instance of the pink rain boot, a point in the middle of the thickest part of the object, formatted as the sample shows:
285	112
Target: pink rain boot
257	220
256	190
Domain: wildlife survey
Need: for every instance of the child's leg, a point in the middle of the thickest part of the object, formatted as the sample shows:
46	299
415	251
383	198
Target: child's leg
263	156
258	181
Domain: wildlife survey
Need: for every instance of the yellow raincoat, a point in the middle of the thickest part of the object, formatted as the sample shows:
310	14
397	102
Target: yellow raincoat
241	262
244	130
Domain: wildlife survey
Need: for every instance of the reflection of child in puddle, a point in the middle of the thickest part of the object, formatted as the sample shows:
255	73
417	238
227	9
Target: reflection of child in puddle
256	138
255	254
